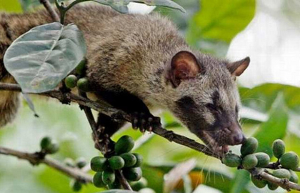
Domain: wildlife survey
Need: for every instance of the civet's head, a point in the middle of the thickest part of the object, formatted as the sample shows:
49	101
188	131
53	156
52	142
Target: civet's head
206	97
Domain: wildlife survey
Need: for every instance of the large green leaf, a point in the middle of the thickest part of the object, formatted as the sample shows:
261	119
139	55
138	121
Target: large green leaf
262	97
42	57
239	183
121	5
220	20
274	128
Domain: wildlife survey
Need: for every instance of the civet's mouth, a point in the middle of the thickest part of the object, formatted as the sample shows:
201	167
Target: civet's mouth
219	141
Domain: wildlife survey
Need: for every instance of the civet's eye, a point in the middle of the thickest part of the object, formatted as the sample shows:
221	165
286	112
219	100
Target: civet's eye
186	101
211	107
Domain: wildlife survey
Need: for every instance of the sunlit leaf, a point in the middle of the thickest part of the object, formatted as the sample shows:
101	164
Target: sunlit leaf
239	183
262	97
274	128
42	57
220	20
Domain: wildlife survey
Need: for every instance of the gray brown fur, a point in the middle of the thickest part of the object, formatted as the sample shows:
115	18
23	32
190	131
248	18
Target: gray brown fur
133	52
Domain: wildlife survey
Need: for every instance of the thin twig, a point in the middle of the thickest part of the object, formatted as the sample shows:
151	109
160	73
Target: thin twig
123	180
35	160
96	138
50	9
92	122
276	165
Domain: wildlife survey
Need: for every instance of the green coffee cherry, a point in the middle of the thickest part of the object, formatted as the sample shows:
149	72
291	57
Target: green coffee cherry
115	185
133	174
81	66
116	162
69	162
263	159
129	158
97	180
53	148
232	160
98	164
108	177
290	160
71	81
124	144
249	146
83	84
258	183
272	186
81	162
249	161
282	173
46	142
294	178
139	160
137	186
76	186
278	148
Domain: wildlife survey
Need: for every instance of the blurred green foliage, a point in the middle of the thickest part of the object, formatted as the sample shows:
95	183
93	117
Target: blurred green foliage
220	20
10	6
213	27
209	25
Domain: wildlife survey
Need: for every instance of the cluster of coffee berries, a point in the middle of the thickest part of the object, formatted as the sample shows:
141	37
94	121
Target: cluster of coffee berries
78	163
71	81
124	161
48	146
78	80
287	162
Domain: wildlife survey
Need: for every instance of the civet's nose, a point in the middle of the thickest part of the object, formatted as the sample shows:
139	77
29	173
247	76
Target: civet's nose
236	137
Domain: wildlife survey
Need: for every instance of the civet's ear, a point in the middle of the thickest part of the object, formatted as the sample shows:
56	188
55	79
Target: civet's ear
237	68
183	66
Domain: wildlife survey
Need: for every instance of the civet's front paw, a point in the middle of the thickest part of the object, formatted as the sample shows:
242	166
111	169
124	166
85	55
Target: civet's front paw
144	121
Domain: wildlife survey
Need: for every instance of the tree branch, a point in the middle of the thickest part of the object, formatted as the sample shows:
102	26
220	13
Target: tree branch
35	159
117	114
284	183
171	136
50	9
